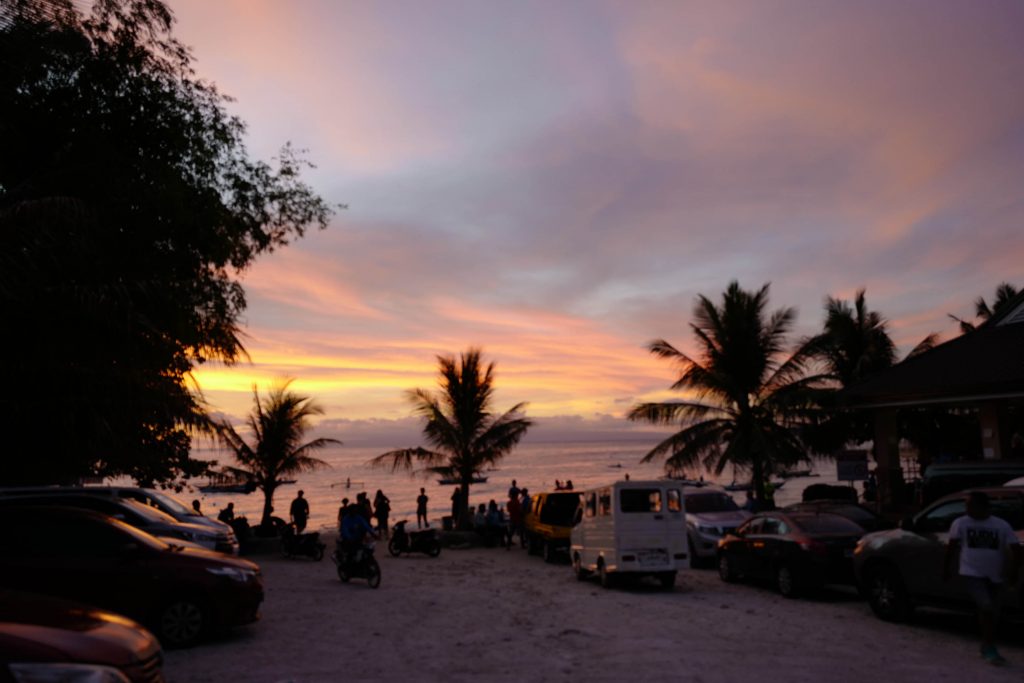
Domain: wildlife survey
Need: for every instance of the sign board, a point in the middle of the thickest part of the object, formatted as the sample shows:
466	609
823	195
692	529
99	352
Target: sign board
852	465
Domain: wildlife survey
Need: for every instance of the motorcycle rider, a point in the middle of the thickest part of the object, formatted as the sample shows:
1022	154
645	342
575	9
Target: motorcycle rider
354	529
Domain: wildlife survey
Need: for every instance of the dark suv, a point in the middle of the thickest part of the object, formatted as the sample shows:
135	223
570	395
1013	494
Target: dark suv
182	594
901	568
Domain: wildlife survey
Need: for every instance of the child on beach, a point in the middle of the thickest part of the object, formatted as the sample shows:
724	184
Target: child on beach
988	550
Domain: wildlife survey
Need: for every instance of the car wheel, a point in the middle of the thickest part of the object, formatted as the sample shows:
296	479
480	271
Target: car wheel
606	578
577	568
667	580
887	594
547	551
373	574
726	569
182	622
696	561
786	581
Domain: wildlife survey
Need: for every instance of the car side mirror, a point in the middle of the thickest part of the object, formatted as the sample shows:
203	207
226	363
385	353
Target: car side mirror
907	524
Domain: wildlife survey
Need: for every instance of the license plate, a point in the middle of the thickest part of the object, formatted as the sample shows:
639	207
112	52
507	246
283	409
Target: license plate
648	558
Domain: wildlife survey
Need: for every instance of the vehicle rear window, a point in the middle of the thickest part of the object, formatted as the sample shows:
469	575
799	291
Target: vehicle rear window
698	503
560	509
827	524
640	500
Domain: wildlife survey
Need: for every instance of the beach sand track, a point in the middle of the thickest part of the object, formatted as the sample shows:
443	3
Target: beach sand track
494	615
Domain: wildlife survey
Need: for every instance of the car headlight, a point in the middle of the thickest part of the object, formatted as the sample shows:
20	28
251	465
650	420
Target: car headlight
234	573
36	672
709	530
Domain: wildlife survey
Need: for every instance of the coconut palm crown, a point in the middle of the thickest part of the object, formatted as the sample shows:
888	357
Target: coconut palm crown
278	424
464	436
749	395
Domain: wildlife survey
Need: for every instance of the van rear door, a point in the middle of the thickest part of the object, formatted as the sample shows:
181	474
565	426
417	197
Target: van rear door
644	527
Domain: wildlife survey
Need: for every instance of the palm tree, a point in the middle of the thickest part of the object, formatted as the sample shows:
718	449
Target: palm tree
749	395
1005	293
465	437
855	343
278	424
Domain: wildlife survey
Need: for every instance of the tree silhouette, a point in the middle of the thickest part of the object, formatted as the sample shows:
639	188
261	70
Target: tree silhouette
128	208
464	435
278	424
749	396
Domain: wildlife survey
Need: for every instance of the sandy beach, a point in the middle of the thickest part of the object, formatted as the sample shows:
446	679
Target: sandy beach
495	615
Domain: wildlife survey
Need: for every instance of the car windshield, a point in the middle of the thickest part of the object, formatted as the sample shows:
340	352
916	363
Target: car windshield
148	512
826	524
171	503
698	503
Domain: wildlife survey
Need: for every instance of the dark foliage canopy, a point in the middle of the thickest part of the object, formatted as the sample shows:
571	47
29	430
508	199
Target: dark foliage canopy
128	208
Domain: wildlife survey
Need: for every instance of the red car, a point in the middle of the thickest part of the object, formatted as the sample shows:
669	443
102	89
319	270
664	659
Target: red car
183	594
47	639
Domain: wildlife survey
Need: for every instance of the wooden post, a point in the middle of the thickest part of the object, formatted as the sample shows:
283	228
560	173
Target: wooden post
991	445
887	456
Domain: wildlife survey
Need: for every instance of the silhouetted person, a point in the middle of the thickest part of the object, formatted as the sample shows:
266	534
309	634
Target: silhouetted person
381	510
299	512
456	505
568	485
365	508
515	518
513	491
341	512
421	509
195	506
227	514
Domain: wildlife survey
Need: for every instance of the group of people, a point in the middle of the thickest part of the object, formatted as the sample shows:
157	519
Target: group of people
377	511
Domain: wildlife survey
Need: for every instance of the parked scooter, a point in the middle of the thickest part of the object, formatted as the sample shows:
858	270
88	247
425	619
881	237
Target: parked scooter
420	541
357	564
294	544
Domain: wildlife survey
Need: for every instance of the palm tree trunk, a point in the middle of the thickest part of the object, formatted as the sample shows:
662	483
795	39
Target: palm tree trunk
268	503
463	523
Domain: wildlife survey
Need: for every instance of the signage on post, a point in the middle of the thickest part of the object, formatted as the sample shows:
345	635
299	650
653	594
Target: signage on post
852	465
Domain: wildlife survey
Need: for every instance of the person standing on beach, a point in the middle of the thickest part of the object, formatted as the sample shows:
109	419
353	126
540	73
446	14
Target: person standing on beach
227	515
381	510
456	506
988	552
195	506
300	512
515	518
341	512
421	509
513	491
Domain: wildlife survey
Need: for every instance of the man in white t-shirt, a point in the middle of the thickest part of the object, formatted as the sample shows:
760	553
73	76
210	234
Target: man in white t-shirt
987	548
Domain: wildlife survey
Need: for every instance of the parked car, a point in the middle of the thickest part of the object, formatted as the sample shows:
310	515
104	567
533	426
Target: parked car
710	514
548	523
941	479
161	500
138	515
182	594
48	639
865	517
901	568
631	528
797	551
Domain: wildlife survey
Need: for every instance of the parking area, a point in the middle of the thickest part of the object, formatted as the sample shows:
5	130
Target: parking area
497	615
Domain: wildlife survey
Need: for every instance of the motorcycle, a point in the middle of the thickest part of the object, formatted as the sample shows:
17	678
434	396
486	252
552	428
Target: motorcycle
421	541
294	544
357	564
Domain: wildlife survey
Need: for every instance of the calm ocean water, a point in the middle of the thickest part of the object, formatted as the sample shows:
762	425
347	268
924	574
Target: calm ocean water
535	466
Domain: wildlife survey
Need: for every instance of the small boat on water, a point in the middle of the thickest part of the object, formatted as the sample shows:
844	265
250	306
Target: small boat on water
450	481
227	483
793	474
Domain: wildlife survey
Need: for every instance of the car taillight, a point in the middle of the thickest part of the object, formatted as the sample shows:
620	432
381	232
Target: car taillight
814	547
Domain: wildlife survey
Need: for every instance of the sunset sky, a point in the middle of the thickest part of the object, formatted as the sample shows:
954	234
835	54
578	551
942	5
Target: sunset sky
557	181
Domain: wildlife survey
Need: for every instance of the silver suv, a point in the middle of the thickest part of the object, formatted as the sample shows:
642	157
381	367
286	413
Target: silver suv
711	513
902	568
